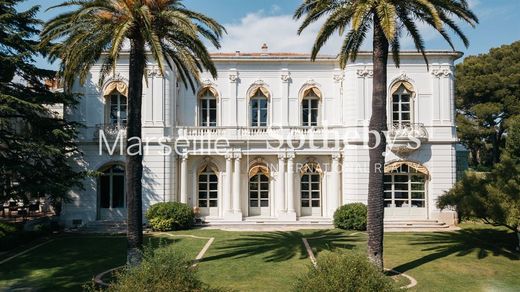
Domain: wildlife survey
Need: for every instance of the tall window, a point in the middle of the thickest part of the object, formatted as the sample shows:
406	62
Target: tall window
208	189
405	187
118	113
258	105
259	190
208	109
310	188
401	106
310	105
112	187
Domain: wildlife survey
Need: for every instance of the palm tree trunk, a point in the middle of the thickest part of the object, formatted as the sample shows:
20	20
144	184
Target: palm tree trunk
134	155
377	160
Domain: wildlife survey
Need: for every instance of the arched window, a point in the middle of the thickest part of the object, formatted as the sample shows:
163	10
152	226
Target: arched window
208	188
258	107
112	187
402	105
310	186
117	111
208	107
310	107
405	185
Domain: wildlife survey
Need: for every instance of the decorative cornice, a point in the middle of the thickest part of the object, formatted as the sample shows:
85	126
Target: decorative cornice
441	72
365	72
339	77
154	72
286	76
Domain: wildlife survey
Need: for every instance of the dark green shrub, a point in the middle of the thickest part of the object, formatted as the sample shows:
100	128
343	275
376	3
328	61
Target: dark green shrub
351	217
170	216
337	271
162	269
12	236
7	228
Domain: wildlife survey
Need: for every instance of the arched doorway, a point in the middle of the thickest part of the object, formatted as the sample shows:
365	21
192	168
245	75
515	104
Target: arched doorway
311	190
259	197
406	194
111	193
207	199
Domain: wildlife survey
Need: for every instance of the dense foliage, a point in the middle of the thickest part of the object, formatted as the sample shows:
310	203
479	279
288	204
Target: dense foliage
488	97
170	216
494	196
337	271
351	217
162	269
36	145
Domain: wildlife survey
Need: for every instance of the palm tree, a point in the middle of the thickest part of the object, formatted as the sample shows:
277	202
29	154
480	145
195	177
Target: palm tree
388	19
100	29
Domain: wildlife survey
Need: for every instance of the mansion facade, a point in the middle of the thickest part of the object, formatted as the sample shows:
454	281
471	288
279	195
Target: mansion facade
275	138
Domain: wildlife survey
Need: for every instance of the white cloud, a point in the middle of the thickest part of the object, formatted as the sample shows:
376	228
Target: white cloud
279	33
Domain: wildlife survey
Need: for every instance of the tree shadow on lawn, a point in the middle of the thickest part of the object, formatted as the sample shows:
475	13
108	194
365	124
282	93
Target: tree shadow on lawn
484	242
68	262
276	246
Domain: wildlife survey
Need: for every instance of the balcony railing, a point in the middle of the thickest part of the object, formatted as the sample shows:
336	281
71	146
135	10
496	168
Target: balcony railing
406	131
111	131
253	132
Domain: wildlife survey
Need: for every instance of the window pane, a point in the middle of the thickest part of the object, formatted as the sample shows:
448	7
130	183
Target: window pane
213	195
305	195
264	195
401	195
264	203
315	195
213	203
203	203
417	195
253	195
253	203
203	195
118	191
104	191
405	98
315	203
418	204
305	203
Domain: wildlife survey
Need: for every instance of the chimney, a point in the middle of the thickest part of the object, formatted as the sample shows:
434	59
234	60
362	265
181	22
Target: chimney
264	49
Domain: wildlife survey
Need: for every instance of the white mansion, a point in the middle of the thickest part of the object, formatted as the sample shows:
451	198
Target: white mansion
276	138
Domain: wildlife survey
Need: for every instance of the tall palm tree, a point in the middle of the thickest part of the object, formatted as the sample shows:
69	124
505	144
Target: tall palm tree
100	29
388	19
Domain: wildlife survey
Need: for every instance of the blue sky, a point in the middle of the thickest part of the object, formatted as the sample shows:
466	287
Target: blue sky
250	23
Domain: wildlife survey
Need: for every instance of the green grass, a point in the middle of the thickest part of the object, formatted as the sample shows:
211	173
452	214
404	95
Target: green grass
67	262
477	258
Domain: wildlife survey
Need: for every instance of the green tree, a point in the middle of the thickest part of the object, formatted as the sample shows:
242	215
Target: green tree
36	146
493	197
487	95
388	19
172	34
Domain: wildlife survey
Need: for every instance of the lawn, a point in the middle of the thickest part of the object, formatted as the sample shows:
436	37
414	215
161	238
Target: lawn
476	258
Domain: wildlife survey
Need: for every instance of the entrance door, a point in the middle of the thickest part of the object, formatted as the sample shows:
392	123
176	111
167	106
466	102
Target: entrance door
208	193
405	194
111	194
259	195
310	194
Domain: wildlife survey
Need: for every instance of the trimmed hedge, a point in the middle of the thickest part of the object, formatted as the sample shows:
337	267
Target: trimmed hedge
169	216
351	217
338	271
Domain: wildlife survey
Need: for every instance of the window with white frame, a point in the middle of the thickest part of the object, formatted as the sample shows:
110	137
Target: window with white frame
402	106
112	187
259	109
310	108
310	188
208	109
405	187
117	114
208	189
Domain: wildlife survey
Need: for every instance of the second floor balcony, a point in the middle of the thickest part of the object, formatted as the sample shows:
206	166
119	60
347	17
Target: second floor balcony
404	138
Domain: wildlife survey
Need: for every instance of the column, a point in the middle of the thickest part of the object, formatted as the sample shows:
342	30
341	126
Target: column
184	178
236	186
334	184
280	191
291	213
227	184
